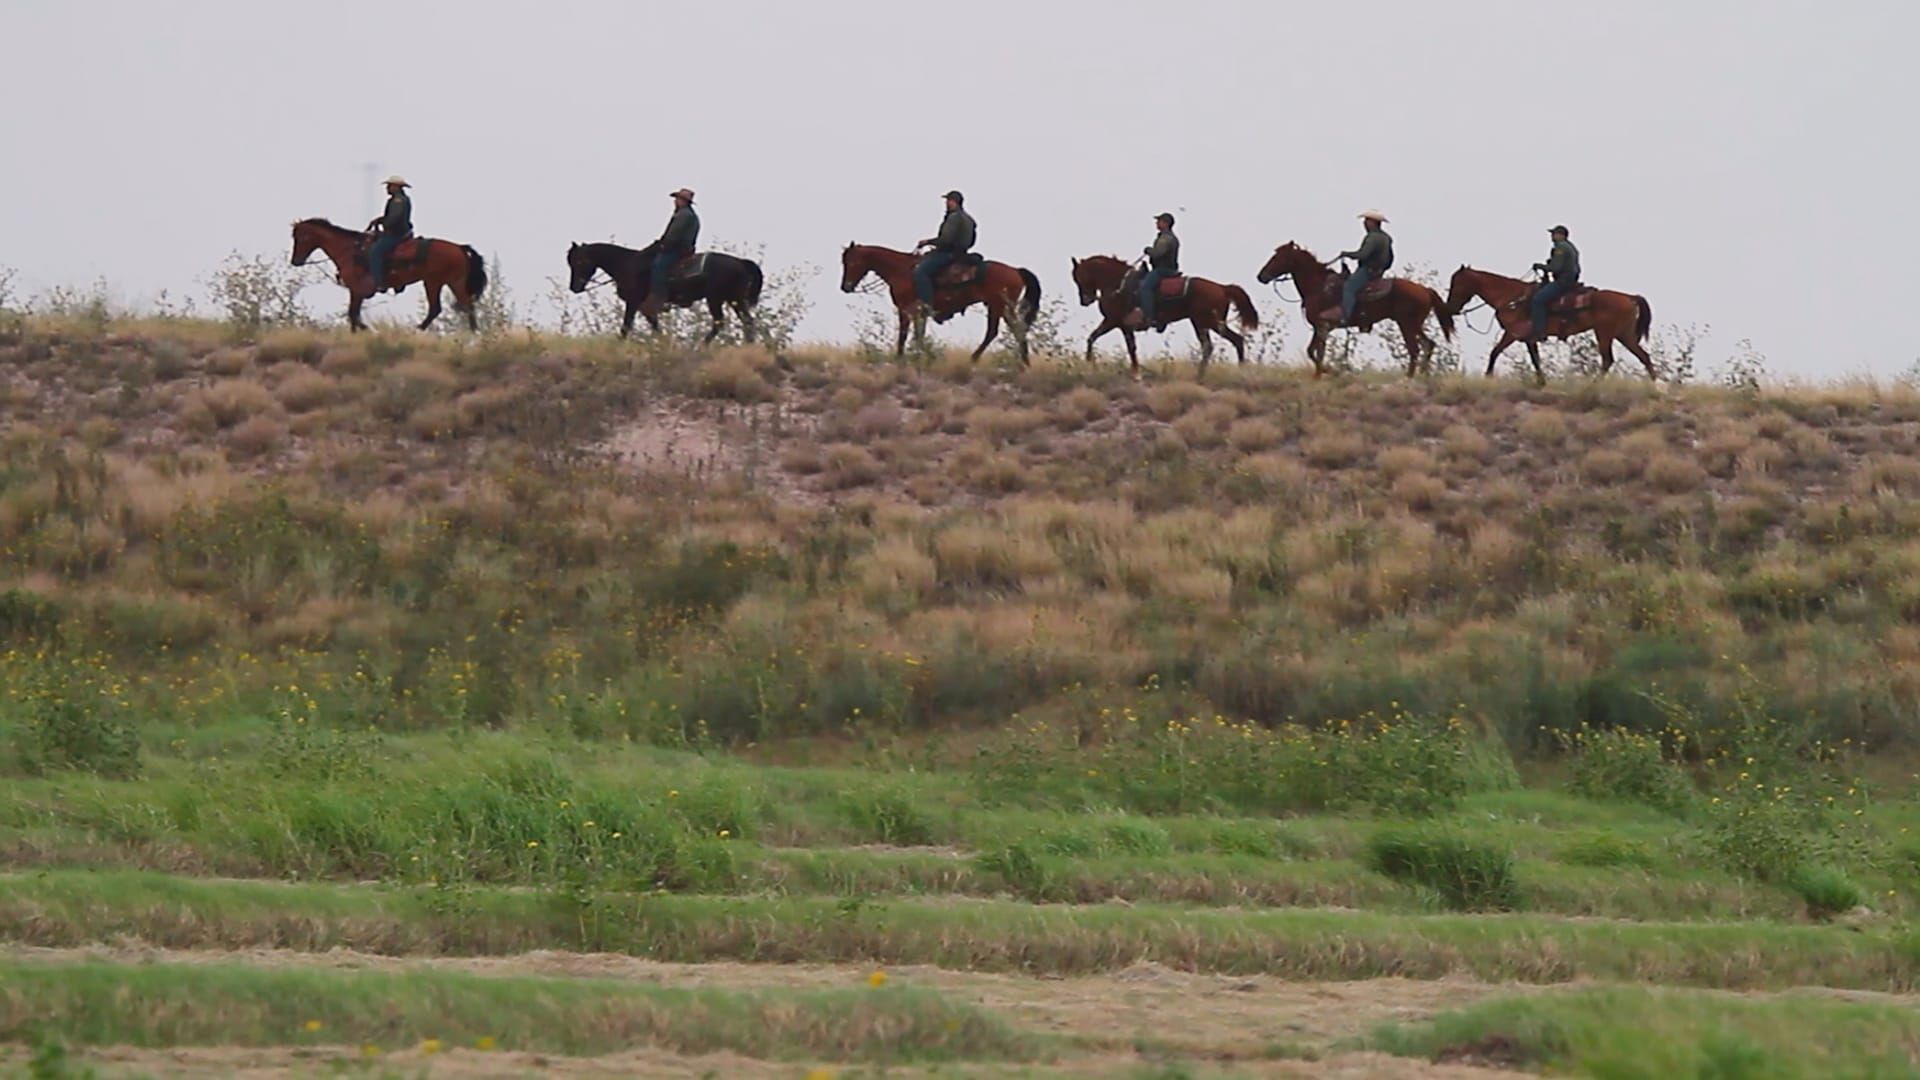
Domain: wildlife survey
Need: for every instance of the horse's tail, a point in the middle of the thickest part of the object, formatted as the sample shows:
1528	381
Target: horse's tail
1249	315
1029	297
754	280
476	272
1644	325
1441	312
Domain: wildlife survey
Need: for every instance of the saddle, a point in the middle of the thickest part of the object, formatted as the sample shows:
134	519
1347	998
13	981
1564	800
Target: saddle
691	268
1176	289
411	253
964	270
1375	290
1578	299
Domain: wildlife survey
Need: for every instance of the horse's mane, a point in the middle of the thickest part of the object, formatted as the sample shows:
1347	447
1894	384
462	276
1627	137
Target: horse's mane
323	223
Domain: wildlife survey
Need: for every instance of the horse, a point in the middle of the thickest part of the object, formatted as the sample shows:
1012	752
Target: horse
1610	316
1108	281
995	284
1401	301
435	263
718	278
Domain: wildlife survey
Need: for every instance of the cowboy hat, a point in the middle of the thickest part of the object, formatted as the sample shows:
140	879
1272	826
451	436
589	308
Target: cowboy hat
396	180
684	193
1374	215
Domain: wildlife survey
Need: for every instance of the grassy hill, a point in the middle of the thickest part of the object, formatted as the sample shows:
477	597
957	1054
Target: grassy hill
482	707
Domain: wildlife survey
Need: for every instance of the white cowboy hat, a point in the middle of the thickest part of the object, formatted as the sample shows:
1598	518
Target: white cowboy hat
396	178
1374	215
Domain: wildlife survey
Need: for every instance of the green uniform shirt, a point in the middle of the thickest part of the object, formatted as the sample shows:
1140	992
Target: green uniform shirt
1164	255
683	231
1375	252
398	219
1564	263
957	232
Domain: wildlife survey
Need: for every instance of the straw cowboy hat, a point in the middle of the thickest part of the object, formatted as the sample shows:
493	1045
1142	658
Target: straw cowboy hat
684	193
396	180
1374	215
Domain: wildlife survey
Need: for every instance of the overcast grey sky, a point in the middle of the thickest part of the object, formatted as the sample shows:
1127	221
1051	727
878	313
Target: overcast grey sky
1748	165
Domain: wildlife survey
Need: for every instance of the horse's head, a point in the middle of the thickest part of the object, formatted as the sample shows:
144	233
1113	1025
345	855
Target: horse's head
1463	288
1095	274
581	267
855	264
1288	258
306	238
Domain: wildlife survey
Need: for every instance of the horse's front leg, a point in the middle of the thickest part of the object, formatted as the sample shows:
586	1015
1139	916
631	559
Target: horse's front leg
900	345
1106	325
433	304
713	308
626	320
1133	351
1493	358
354	300
1317	349
993	331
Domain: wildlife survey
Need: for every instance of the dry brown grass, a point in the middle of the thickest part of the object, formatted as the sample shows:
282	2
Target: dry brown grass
737	374
846	465
1169	400
229	401
1674	474
1331	448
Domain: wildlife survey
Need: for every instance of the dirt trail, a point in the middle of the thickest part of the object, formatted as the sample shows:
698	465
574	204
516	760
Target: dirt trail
261	1063
1217	1017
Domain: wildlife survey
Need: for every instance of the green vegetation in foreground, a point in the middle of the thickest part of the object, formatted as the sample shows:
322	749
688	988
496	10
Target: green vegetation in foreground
1629	1033
79	908
159	1005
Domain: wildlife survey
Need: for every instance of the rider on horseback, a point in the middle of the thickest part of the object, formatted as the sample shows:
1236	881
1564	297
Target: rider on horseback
1163	262
1374	257
1563	271
676	243
956	237
392	228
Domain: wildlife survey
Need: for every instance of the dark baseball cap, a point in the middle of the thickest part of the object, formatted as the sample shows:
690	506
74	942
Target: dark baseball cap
955	196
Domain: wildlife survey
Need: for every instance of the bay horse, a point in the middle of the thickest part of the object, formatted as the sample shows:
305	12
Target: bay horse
1401	301
1108	281
1610	317
716	277
997	285
437	264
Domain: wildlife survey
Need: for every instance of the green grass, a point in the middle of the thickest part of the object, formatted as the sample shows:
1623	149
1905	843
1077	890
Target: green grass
77	908
165	1005
1624	1033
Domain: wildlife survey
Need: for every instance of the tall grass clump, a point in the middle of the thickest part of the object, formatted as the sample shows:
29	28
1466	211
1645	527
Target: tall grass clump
1629	766
1464	873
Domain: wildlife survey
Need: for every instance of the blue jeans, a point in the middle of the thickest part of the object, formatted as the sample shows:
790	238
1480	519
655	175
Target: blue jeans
379	253
1150	294
1544	295
933	263
663	264
1350	294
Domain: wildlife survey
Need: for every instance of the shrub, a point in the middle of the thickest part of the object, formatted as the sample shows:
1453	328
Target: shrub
888	813
736	374
1826	891
65	719
1334	449
850	466
1030	875
1465	874
1627	765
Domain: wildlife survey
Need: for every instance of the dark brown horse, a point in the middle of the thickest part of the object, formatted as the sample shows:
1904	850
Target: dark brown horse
1401	301
437	263
716	277
1610	316
1108	281
996	285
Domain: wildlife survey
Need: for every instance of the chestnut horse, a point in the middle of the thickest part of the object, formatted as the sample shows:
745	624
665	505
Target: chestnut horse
437	263
1611	317
1106	279
1406	303
998	286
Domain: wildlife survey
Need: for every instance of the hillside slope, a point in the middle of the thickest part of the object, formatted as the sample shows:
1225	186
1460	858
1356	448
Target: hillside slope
522	529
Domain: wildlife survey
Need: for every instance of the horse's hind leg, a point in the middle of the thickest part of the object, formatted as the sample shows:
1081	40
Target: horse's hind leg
747	329
1238	341
1206	348
626	320
354	300
1640	353
1533	354
1414	336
